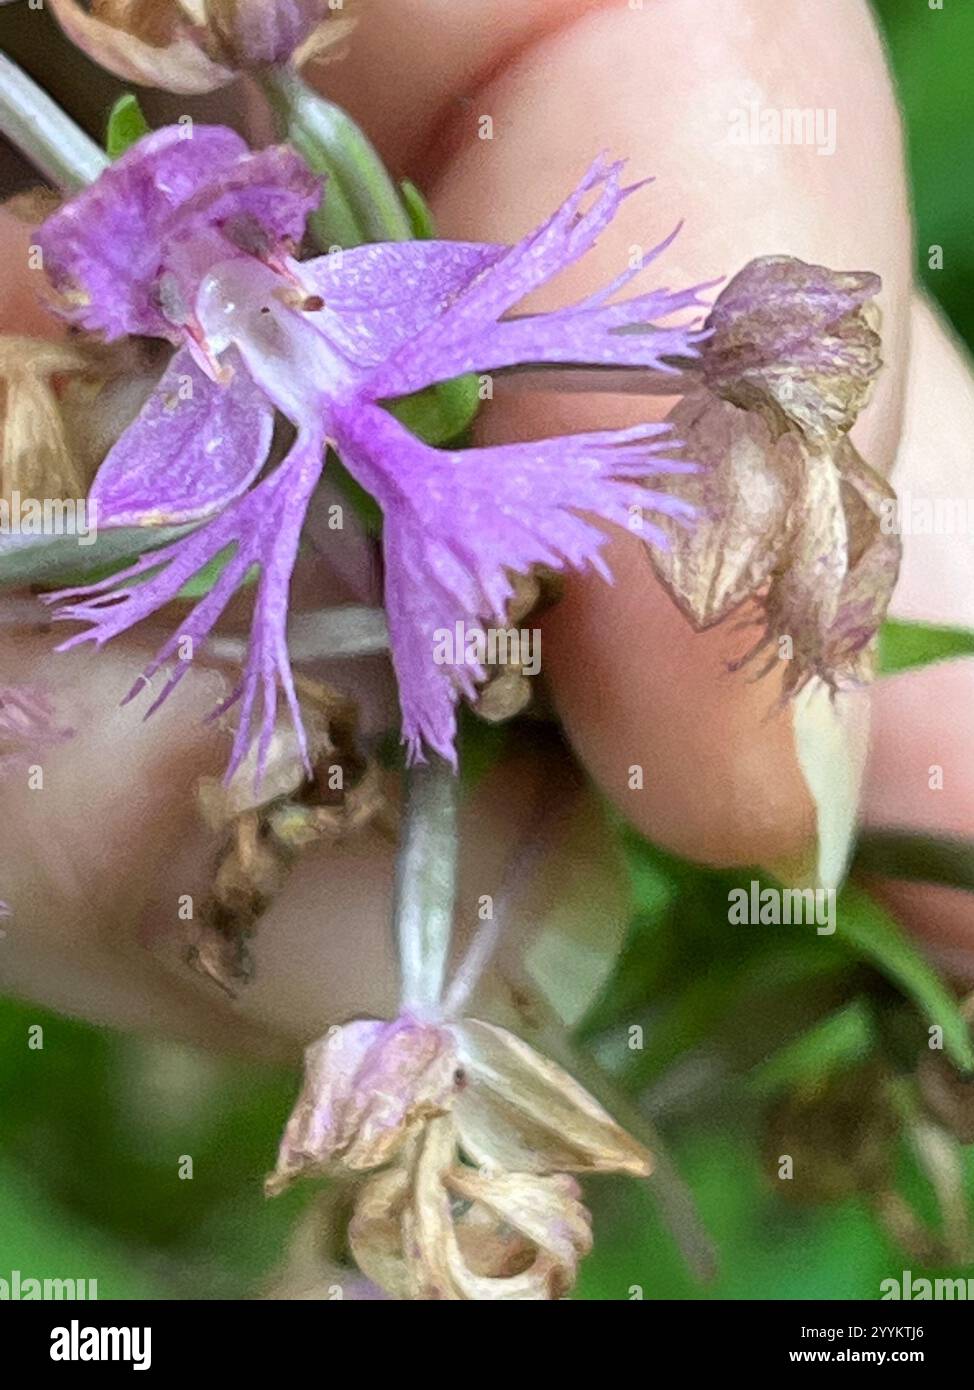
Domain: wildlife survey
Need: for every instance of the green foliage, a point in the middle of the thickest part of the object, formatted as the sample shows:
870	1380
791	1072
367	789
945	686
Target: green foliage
905	646
53	561
418	210
440	414
923	858
870	929
92	1129
931	52
126	125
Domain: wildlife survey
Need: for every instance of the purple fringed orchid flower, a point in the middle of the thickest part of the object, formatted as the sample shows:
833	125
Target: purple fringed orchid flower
191	240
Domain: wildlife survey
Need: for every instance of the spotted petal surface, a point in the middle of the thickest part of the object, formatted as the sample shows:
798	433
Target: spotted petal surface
194	447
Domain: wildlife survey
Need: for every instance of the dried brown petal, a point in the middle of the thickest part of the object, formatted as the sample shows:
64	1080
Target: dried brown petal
149	43
799	339
506	694
749	481
36	455
253	33
838	576
517	1237
521	1112
375	1232
367	1087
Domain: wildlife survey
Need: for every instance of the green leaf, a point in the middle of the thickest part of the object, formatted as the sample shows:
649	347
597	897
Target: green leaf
906	646
924	858
363	504
440	414
418	210
42	1242
644	963
126	125
203	580
872	932
361	201
49	561
836	1042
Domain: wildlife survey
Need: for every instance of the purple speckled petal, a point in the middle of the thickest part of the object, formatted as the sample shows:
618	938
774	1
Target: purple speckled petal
101	250
266	198
457	521
378	298
471	334
194	447
127	254
263	528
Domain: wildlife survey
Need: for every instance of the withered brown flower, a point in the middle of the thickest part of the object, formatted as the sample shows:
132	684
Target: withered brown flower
470	1136
264	829
194	46
790	513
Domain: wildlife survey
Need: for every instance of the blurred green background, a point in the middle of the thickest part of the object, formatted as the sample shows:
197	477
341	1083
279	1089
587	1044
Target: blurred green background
775	1047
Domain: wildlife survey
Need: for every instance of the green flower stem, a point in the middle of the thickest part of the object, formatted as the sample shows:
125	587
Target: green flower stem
57	147
426	873
365	197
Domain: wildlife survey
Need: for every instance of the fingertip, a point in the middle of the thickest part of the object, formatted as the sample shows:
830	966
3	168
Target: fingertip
22	310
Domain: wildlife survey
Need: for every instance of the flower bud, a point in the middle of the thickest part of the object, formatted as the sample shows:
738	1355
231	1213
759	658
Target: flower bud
195	46
256	33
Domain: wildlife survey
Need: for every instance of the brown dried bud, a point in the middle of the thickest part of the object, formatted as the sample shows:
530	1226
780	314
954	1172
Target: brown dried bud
506	694
256	33
194	46
507	690
798	338
368	1086
789	512
265	829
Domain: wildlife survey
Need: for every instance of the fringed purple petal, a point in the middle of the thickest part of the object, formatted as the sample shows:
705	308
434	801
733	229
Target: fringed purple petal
262	528
457	522
194	447
471	334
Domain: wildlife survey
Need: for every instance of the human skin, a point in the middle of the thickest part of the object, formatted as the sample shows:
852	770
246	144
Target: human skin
93	865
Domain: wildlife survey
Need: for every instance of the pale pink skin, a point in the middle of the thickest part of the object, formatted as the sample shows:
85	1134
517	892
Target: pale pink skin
631	684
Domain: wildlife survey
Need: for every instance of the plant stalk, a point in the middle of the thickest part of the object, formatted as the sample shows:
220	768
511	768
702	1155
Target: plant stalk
364	199
426	874
56	146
